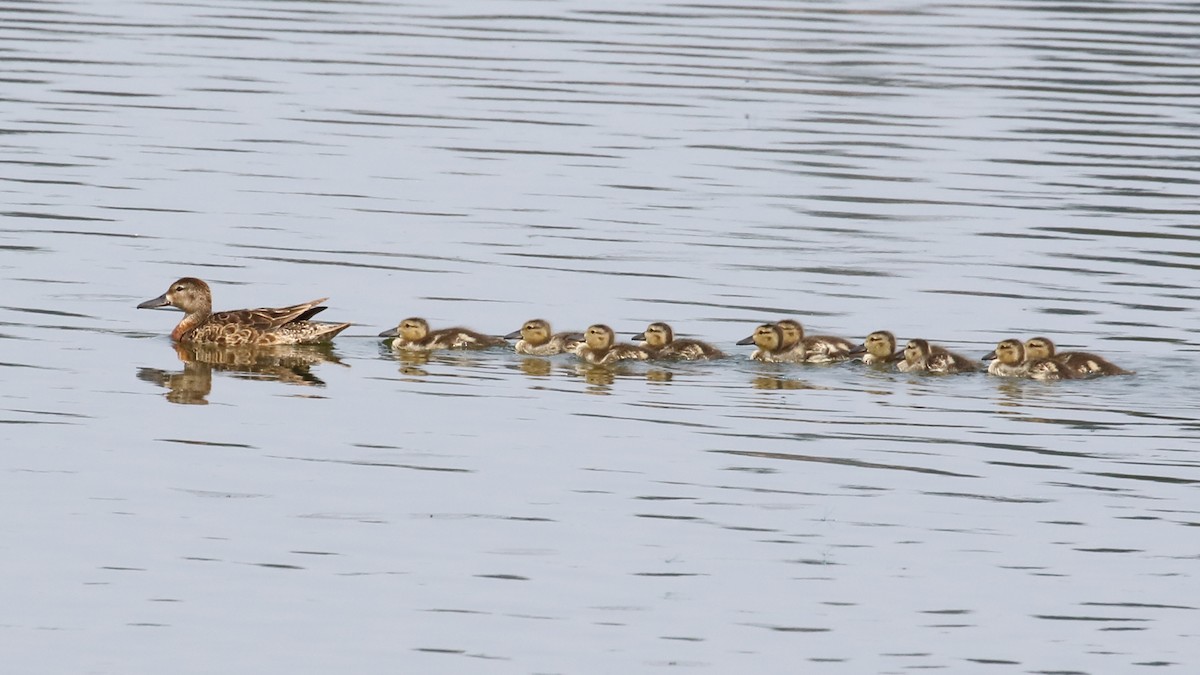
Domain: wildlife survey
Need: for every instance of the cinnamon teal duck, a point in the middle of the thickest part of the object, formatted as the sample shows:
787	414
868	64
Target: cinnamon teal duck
263	326
659	340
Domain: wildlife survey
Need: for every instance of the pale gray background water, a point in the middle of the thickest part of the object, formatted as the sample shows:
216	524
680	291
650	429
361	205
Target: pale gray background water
961	171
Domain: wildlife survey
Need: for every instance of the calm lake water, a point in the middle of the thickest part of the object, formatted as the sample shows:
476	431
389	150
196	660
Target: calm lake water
963	172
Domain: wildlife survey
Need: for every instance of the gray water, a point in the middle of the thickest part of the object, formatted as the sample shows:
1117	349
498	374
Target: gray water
962	172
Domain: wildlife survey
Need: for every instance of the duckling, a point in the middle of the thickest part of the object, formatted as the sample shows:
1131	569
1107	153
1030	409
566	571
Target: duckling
878	349
413	335
919	355
813	348
1082	363
768	340
1047	369
659	340
1008	359
600	346
536	339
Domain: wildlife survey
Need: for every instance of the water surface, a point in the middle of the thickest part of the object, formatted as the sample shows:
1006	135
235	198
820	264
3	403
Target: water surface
962	172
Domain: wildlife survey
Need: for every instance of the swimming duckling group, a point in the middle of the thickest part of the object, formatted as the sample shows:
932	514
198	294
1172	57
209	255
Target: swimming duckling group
780	342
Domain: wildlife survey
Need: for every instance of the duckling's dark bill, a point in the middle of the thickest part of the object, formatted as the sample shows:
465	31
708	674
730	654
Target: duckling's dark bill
861	349
746	341
516	334
640	337
393	332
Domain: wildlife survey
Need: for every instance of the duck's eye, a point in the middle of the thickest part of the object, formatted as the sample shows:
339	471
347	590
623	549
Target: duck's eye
177	289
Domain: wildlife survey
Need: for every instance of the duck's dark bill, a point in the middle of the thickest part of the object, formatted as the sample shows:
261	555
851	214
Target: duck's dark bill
640	337
746	341
160	301
861	349
394	332
513	335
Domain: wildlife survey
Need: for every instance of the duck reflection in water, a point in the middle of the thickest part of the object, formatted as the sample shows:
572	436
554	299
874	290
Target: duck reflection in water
289	364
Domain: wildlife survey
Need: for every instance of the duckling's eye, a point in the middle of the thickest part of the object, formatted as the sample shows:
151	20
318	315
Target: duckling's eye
177	289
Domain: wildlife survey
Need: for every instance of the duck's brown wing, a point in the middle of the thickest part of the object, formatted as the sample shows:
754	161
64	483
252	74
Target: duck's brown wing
269	318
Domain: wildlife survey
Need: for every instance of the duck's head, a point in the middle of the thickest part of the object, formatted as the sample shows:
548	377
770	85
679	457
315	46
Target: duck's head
1039	348
880	344
767	337
189	294
411	329
1009	352
792	332
916	350
535	332
656	335
599	337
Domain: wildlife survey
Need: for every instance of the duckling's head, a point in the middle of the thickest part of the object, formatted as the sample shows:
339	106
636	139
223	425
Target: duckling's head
916	350
656	335
535	332
880	344
1009	352
189	294
1039	348
767	337
792	332
599	337
411	329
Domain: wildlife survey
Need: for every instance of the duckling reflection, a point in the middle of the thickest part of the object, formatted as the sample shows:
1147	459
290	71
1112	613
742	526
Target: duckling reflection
535	367
659	340
813	348
921	356
289	364
771	382
1080	363
413	335
601	346
599	377
535	338
879	349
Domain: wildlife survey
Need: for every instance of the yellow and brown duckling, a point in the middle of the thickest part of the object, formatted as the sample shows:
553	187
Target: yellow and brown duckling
600	346
413	335
1011	359
921	356
535	338
1081	363
878	349
263	326
659	340
1008	359
769	345
813	348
